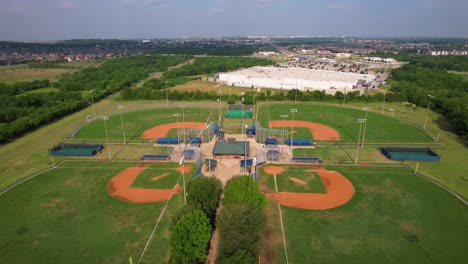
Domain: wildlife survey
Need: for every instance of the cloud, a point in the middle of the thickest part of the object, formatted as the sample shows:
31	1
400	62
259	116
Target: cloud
340	6
69	4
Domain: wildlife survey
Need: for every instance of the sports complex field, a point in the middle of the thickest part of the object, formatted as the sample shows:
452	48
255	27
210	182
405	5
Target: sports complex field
68	214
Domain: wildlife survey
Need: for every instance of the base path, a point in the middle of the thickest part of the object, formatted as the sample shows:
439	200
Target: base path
339	191
320	132
162	130
119	187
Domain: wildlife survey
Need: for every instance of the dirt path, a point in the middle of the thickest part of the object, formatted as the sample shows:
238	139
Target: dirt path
162	130
211	259
320	132
119	187
339	191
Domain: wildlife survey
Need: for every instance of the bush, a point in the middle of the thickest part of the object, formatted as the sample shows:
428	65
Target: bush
204	193
189	238
243	190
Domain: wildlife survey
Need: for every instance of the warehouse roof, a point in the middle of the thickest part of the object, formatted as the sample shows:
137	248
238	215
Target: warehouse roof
237	148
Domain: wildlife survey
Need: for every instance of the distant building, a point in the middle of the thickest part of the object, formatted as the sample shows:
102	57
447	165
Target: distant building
380	60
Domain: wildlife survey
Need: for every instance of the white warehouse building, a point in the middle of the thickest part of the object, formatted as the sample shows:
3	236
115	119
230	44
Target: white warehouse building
290	78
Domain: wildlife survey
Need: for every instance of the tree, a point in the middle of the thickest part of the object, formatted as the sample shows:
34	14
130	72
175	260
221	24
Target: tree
204	193
189	238
241	256
240	228
243	190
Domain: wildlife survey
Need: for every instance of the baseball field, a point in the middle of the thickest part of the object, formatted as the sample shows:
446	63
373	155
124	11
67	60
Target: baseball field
105	212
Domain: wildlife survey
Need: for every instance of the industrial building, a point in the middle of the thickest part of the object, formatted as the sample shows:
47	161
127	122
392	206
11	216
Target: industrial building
291	78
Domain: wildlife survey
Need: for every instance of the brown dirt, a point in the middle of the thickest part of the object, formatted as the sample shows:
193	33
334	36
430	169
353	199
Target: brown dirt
119	187
298	181
162	130
339	191
159	177
320	132
273	170
185	168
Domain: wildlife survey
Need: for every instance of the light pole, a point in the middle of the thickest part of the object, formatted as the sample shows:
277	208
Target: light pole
120	107
428	106
178	136
167	98
242	117
282	138
183	120
92	104
360	121
344	97
218	108
365	124
383	103
105	118
245	152
292	126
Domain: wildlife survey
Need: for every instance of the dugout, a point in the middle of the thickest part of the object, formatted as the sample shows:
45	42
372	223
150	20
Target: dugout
195	141
299	142
168	141
415	154
231	149
271	141
78	149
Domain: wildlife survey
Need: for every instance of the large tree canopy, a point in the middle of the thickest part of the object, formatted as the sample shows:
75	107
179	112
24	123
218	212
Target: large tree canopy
189	238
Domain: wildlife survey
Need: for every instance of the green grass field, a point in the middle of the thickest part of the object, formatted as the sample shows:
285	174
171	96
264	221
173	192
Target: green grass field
67	216
297	179
19	73
135	123
344	120
394	217
158	176
347	154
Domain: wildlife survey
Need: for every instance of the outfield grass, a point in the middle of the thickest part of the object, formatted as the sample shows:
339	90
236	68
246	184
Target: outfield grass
347	154
287	180
67	216
135	123
344	120
394	217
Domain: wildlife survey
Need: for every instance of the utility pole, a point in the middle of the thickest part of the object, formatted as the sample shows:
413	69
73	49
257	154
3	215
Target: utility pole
365	124
383	103
183	120
293	110
360	121
120	107
92	104
428	106
167	98
105	118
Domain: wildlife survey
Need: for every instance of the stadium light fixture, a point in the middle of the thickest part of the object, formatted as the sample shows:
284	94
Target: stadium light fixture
105	118
183	120
92	104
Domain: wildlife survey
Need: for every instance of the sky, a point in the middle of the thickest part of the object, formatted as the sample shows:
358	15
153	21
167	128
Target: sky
44	20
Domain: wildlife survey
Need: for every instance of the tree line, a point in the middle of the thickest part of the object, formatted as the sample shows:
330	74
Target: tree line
21	112
240	222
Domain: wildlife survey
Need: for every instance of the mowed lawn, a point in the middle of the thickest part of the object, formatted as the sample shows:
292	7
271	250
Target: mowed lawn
135	123
394	217
67	216
296	179
379	128
22	73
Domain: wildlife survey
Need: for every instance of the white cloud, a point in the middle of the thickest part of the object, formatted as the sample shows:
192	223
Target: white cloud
69	4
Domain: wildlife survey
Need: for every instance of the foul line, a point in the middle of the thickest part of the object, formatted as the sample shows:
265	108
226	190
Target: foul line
28	178
156	225
281	222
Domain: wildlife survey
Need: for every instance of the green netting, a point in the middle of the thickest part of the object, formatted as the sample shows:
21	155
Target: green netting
238	114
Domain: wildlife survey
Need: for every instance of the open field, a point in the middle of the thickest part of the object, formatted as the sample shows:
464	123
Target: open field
42	90
205	86
379	128
135	123
19	74
67	216
346	154
394	216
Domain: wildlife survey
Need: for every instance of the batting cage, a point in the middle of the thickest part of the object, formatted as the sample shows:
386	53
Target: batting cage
262	134
239	111
197	135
